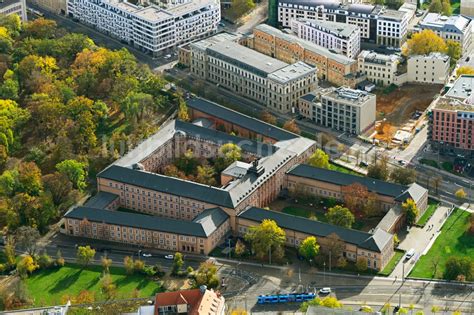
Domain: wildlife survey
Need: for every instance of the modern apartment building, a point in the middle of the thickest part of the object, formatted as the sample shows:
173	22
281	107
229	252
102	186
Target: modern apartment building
335	68
391	30
379	68
432	68
249	73
8	7
151	29
343	109
339	37
451	121
455	27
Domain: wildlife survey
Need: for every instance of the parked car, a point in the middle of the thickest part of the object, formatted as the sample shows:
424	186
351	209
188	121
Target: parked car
325	291
170	257
410	254
146	255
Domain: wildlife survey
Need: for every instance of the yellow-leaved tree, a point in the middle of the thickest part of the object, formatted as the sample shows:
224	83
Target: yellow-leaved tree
425	42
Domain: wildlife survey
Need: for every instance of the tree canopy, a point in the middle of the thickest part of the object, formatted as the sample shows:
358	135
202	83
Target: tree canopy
319	159
411	211
309	248
267	239
341	216
425	42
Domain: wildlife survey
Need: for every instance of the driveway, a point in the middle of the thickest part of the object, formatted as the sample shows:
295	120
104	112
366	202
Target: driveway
421	240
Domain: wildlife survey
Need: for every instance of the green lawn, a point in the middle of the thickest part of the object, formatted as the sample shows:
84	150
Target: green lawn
342	169
429	162
392	263
447	166
453	241
47	287
318	215
428	213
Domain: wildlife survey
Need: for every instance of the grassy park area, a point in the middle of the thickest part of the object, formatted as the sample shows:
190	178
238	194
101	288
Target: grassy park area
48	287
453	241
392	263
432	206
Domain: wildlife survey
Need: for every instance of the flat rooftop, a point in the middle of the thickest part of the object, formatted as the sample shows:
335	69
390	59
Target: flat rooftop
153	13
239	54
123	5
355	97
374	57
213	40
462	87
182	9
292	72
436	20
393	14
336	28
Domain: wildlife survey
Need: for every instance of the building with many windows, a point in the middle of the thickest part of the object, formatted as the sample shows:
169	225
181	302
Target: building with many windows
432	68
18	7
333	67
339	37
343	109
451	120
151	29
176	214
379	68
455	27
376	23
249	73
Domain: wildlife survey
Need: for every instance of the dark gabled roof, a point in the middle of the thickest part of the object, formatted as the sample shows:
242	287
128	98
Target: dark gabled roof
149	222
343	179
237	118
258	148
101	200
170	185
211	219
362	239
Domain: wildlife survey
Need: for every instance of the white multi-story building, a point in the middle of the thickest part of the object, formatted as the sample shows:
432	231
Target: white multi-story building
340	37
432	68
8	7
380	69
246	72
455	27
342	108
151	29
393	26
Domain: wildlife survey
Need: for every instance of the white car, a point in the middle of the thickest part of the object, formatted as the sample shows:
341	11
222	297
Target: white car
146	255
170	257
325	291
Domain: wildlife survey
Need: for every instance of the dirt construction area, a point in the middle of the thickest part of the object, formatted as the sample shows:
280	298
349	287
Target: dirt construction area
398	105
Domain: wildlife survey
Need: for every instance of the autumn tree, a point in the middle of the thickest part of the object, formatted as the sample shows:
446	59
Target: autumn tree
403	176
178	263
206	175
411	211
183	113
128	264
454	50
106	263
319	159
361	263
425	42
464	70
9	251
309	248
40	28
84	255
333	249
109	289
240	7
355	196
268	118
58	185
291	126
228	154
379	169
341	216
267	239
460	194
26	266
240	248
207	275
29	178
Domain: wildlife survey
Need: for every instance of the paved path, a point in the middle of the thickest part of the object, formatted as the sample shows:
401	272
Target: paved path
421	240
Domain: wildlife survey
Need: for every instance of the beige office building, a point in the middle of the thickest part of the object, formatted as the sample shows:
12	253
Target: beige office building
432	68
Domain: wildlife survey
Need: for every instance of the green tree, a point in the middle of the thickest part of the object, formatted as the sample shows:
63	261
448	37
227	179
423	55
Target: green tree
446	8
136	105
10	86
319	159
84	255
230	152
436	6
178	263
361	263
341	216
240	7
207	275
454	50
9	251
379	169
309	248
44	261
6	42
456	266
40	28
267	239
12	23
206	175
411	211
75	171
403	176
